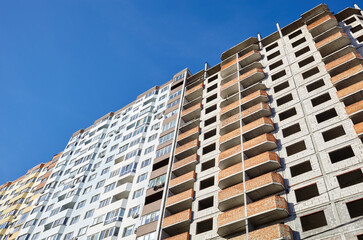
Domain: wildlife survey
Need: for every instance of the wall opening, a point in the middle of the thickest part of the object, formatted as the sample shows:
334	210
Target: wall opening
206	183
300	168
306	193
205	203
355	208
295	148
291	130
333	133
321	117
341	154
312	221
350	178
204	226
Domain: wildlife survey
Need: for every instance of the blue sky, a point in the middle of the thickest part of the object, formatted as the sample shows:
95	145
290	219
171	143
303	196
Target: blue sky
64	64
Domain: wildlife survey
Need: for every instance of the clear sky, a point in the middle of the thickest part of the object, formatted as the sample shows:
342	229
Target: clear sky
64	64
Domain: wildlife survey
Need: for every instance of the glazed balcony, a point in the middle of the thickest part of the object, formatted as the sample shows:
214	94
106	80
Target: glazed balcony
185	165
230	124
359	129
182	236
186	150
230	176
230	110
342	61
258	127
351	91
323	24
348	77
256	188
332	42
189	135
249	58
178	223
260	144
180	202
258	111
251	77
229	88
254	98
230	157
277	231
354	109
229	67
260	212
191	113
230	140
194	92
262	163
182	183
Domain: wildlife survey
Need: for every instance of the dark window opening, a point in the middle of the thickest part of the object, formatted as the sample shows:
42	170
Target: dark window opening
205	203
213	78
341	154
154	197
355	208
295	148
210	121
310	73
313	221
207	165
281	86
210	134
298	42
300	168
321	117
315	85
360	237
276	64
291	130
161	164
306	61
211	98
288	113
272	46
273	55
320	99
284	99
206	183
306	193
356	28
204	226
212	88
350	178
295	34
278	75
209	148
349	21
302	51
333	133
210	109
360	39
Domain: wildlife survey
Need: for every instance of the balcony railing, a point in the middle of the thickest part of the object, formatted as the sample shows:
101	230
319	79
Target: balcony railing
187	149
347	75
258	111
277	231
182	183
185	165
230	157
181	201
178	223
343	59
229	88
322	24
230	139
182	236
349	91
263	163
230	176
194	92
260	144
254	98
258	127
188	135
192	112
249	58
359	129
332	43
251	77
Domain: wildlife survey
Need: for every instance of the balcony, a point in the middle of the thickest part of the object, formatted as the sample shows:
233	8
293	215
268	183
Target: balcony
260	212
230	176
194	92
332	42
186	126
348	92
186	150
182	236
249	58
354	109
182	183
359	129
260	144
254	98
348	77
230	157
258	111
229	67
251	77
230	124
231	197
191	113
251	89
323	24
185	165
277	231
258	127
230	110
230	139
341	60
189	135
261	164
180	202
229	88
188	104
178	223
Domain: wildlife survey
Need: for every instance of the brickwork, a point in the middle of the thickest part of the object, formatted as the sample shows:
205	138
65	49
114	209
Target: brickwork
342	60
180	197
320	21
257	123
189	145
185	161
261	158
256	108
351	89
259	140
188	133
182	178
182	216
330	39
347	73
278	231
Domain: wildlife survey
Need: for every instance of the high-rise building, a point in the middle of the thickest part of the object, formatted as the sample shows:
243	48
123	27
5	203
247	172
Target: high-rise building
264	145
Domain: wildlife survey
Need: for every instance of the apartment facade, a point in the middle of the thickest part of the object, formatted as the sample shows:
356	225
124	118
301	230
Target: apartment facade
264	145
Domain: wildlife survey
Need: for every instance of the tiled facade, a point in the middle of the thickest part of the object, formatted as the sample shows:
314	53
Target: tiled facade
267	144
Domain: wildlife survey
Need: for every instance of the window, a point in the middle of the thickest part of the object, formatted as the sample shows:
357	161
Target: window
210	134
175	94
138	193
145	163
173	103
315	85
278	75
81	204
158	181
128	231
206	183
152	137
209	148
74	220
306	61
151	217
149	149
326	115
210	109
204	226
205	203
312	221
320	99
300	168
95	198
207	165
350	178
87	190
109	187
166	138
276	64
211	98
281	86
272	46
82	231
212	88
285	99
291	130
302	51
89	214
142	177
104	171
341	154
307	192
295	148
163	151
295	34
114	147
210	121
298	42
169	125
355	208
104	203
133	211
287	114
68	236
133	153
273	55
333	133
149	236
310	73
